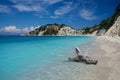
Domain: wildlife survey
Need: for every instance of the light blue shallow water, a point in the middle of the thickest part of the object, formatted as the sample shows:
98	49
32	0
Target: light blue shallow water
20	54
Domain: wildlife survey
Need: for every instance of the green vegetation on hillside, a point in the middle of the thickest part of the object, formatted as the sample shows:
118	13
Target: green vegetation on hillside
90	29
107	23
50	32
104	24
49	29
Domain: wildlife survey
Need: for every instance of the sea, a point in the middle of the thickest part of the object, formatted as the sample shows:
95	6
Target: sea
39	57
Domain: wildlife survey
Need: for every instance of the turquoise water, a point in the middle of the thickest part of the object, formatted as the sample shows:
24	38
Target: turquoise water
20	55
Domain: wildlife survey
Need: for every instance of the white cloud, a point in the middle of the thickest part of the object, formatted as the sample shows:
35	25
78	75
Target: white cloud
27	8
22	7
14	29
32	28
41	7
27	29
33	5
87	14
10	29
4	9
54	17
23	1
64	9
52	1
24	30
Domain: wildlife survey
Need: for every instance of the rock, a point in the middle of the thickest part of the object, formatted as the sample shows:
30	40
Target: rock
83	59
66	31
101	32
54	29
114	31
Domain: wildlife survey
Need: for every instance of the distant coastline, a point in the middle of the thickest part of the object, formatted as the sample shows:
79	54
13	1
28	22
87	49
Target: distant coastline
109	27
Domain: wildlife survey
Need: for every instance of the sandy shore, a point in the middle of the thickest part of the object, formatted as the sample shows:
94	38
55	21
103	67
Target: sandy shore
108	54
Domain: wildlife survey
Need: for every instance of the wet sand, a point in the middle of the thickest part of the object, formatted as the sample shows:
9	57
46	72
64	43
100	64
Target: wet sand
108	55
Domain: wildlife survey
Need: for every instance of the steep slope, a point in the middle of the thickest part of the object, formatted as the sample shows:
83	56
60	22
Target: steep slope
104	25
66	31
49	29
54	29
114	31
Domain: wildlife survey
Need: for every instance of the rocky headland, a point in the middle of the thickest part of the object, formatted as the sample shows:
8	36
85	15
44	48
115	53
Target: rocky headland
109	27
54	30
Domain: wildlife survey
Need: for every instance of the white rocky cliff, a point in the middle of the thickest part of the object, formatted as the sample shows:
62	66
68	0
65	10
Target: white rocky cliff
54	30
114	31
68	31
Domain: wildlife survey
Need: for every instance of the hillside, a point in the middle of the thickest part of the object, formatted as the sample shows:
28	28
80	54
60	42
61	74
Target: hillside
114	31
65	30
54	29
104	25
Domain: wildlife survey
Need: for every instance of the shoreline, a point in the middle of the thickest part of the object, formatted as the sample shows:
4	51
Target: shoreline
60	69
107	52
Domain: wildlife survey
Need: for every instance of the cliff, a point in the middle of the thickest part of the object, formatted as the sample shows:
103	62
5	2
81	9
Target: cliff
54	29
105	25
114	31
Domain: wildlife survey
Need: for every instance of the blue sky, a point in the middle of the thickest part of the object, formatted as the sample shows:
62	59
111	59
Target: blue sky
23	15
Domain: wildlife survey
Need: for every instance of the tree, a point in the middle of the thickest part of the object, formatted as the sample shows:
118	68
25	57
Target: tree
50	32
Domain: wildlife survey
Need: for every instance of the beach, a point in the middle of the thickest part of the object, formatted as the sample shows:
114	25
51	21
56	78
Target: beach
107	52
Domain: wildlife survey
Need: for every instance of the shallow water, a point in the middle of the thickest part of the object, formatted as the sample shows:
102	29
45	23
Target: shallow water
38	58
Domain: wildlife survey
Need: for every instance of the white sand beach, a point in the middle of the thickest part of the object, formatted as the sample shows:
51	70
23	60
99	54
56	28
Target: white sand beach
108	54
